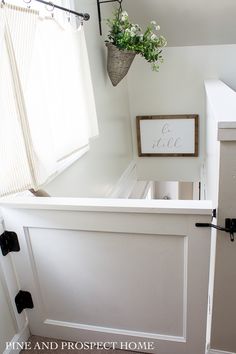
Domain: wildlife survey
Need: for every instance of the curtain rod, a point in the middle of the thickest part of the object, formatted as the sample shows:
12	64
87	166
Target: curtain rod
85	16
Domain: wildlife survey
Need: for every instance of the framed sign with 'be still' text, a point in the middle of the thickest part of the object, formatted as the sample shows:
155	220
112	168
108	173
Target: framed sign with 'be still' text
167	135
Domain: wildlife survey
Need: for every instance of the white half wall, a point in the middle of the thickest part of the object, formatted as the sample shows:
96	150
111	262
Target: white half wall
98	171
178	88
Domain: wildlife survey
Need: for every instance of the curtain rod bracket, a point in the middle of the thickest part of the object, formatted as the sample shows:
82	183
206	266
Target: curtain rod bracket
99	2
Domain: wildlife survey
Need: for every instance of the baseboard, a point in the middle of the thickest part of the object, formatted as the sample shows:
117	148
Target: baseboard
215	351
14	346
125	184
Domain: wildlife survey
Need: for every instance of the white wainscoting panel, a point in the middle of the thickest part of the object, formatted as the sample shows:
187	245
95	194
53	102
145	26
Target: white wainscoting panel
112	280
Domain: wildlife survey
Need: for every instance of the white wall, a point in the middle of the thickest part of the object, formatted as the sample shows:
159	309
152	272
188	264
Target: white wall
188	22
177	89
96	174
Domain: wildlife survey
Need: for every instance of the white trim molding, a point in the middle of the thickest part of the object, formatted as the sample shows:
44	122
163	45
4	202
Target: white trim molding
215	351
15	345
227	132
126	183
121	332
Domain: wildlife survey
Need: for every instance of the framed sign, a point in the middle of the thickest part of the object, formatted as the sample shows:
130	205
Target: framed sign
175	135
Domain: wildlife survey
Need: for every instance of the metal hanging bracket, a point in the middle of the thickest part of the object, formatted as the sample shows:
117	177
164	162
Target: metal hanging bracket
230	227
9	242
99	2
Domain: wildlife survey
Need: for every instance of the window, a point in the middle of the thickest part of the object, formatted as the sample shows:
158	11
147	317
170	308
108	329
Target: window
47	111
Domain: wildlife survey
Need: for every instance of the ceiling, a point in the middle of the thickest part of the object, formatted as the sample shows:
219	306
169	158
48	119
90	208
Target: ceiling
187	22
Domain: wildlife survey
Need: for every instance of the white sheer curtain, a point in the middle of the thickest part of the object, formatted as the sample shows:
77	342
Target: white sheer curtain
47	110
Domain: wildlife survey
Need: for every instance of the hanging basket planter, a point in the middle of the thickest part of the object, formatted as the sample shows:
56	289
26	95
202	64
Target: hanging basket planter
118	62
130	37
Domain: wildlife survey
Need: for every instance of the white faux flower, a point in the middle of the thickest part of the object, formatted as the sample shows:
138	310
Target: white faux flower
124	16
155	25
138	28
155	66
133	31
153	36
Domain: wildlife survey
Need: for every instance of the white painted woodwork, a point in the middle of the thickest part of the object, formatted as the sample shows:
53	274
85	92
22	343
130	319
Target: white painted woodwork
190	207
115	270
8	278
13	327
224	310
213	351
140	190
126	183
221	186
16	344
210	173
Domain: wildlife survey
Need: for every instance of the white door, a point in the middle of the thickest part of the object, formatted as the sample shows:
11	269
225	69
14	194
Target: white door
130	272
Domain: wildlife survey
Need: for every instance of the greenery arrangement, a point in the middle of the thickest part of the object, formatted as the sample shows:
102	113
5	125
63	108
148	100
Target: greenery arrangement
128	36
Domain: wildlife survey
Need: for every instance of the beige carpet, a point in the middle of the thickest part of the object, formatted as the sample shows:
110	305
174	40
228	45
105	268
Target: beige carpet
38	345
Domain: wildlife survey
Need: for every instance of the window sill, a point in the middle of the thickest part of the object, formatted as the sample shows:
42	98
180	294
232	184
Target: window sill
66	163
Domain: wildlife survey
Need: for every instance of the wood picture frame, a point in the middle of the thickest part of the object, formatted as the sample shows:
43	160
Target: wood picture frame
168	135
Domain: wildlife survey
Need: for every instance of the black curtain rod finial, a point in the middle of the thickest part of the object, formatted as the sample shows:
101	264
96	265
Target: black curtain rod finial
86	17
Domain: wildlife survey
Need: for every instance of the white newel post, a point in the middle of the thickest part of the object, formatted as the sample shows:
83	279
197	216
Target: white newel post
221	188
224	309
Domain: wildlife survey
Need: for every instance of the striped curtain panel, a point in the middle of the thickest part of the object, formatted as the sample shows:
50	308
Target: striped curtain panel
16	156
47	109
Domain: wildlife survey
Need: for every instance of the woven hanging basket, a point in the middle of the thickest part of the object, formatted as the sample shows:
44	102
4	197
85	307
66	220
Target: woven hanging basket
118	63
